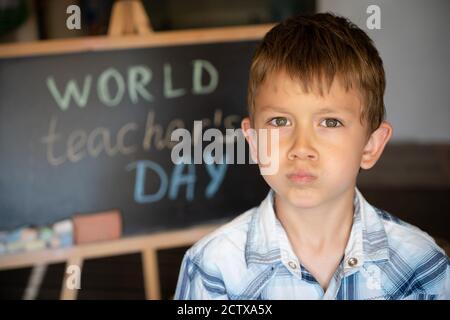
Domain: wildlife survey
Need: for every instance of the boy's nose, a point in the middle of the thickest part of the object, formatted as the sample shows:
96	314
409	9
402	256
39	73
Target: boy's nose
302	147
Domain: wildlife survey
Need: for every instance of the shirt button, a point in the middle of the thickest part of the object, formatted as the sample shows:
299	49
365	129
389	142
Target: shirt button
352	262
292	264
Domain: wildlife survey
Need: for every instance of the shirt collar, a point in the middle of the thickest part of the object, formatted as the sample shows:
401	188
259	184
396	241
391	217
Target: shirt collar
267	242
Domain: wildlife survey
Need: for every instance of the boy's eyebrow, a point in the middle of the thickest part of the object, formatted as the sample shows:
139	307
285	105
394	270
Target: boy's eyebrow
329	110
276	108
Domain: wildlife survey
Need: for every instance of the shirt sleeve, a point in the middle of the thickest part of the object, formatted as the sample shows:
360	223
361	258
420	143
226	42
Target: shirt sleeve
445	294
196	283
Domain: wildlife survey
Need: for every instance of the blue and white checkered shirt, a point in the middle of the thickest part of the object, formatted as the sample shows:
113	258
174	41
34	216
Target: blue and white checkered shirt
251	258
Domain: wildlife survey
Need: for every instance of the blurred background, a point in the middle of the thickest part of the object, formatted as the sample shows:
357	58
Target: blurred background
412	180
412	41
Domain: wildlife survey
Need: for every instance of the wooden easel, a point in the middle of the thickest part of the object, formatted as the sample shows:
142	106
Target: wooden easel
129	17
129	27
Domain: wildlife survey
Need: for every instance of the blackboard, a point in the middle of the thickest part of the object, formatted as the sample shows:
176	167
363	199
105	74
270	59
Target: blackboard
61	156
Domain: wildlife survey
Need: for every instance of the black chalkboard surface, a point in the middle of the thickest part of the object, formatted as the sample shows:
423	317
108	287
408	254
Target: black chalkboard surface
86	132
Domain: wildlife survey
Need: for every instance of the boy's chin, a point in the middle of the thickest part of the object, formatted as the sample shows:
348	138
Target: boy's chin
303	198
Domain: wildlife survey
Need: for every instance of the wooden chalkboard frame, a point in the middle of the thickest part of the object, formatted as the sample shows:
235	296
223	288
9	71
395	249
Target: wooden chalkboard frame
154	39
147	245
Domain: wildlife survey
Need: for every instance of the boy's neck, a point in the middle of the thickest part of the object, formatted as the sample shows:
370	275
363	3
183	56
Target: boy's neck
325	226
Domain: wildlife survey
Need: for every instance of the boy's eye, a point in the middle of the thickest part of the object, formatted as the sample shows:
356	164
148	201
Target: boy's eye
331	123
279	122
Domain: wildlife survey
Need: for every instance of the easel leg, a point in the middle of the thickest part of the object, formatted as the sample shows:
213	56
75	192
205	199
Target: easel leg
68	293
151	274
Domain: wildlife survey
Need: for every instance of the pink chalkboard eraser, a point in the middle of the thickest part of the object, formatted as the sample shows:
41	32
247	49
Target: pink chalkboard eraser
100	226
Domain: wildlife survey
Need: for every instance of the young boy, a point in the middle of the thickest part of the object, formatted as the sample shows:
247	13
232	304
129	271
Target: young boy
319	81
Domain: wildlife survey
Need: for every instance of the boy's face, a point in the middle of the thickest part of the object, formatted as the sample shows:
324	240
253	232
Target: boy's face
322	142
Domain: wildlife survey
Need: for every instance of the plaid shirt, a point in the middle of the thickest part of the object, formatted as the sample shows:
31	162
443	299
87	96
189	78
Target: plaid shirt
251	258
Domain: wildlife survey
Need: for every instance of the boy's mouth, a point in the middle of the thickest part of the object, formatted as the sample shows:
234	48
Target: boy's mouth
301	176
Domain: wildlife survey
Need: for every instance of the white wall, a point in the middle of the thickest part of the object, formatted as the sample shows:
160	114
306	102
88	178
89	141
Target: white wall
414	42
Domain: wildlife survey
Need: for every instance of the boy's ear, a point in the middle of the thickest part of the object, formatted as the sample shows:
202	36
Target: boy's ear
375	145
249	134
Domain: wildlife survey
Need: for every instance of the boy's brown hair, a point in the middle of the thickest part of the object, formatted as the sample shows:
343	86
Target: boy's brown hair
316	49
